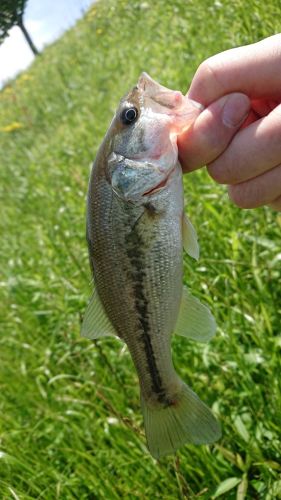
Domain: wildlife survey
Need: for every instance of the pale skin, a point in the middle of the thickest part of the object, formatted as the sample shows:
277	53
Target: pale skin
238	134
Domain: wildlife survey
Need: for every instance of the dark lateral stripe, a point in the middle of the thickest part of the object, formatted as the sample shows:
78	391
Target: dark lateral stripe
135	252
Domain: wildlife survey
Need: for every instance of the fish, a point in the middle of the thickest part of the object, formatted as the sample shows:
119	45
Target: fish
136	230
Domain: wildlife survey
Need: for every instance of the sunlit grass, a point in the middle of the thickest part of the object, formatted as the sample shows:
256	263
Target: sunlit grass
71	425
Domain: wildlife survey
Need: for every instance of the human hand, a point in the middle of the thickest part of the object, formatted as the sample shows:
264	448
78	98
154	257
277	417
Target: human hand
238	134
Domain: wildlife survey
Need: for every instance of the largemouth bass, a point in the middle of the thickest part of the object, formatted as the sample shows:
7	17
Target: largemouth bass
136	230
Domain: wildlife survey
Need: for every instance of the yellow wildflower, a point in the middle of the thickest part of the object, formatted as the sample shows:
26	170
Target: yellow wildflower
7	90
25	77
99	31
91	13
11	127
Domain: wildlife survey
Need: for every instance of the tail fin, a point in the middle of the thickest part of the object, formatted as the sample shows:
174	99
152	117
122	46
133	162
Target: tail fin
187	421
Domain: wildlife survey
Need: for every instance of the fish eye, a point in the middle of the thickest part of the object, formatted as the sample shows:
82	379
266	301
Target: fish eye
129	115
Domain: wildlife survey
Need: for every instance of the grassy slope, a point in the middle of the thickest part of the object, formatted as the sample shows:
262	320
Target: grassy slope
70	420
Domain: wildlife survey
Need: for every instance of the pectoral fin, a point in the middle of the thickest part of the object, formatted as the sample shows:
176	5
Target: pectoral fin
195	321
96	323
189	236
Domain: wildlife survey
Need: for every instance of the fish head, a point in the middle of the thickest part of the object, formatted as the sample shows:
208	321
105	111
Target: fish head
142	139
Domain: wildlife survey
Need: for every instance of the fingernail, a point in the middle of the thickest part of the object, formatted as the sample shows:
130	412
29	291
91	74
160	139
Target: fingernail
235	110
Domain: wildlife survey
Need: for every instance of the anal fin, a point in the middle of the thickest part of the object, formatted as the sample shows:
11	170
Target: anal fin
195	320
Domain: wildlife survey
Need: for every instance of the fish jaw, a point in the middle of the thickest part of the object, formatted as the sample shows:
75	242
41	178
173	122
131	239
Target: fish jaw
181	110
158	93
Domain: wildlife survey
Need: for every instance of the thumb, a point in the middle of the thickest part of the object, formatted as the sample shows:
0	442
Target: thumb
212	131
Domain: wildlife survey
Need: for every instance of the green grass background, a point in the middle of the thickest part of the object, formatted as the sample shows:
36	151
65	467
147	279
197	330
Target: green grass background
70	424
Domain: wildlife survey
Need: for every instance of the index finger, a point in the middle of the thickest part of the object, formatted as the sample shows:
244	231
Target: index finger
251	69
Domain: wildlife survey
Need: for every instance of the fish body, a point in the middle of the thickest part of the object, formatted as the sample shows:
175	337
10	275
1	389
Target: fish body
136	231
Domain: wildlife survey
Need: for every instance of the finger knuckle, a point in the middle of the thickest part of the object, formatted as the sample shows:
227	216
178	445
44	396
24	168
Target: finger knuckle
243	195
215	173
220	173
208	69
276	204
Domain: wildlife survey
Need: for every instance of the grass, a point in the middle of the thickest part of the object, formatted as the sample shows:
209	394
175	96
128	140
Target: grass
71	426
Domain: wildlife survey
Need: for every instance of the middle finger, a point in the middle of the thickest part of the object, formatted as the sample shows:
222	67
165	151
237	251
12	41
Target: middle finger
254	150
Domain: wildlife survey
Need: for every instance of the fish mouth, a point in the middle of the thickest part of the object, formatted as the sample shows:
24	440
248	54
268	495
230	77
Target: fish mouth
171	102
161	96
159	186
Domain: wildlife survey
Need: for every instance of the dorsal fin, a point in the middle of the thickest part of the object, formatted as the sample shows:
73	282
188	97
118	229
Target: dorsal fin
96	323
